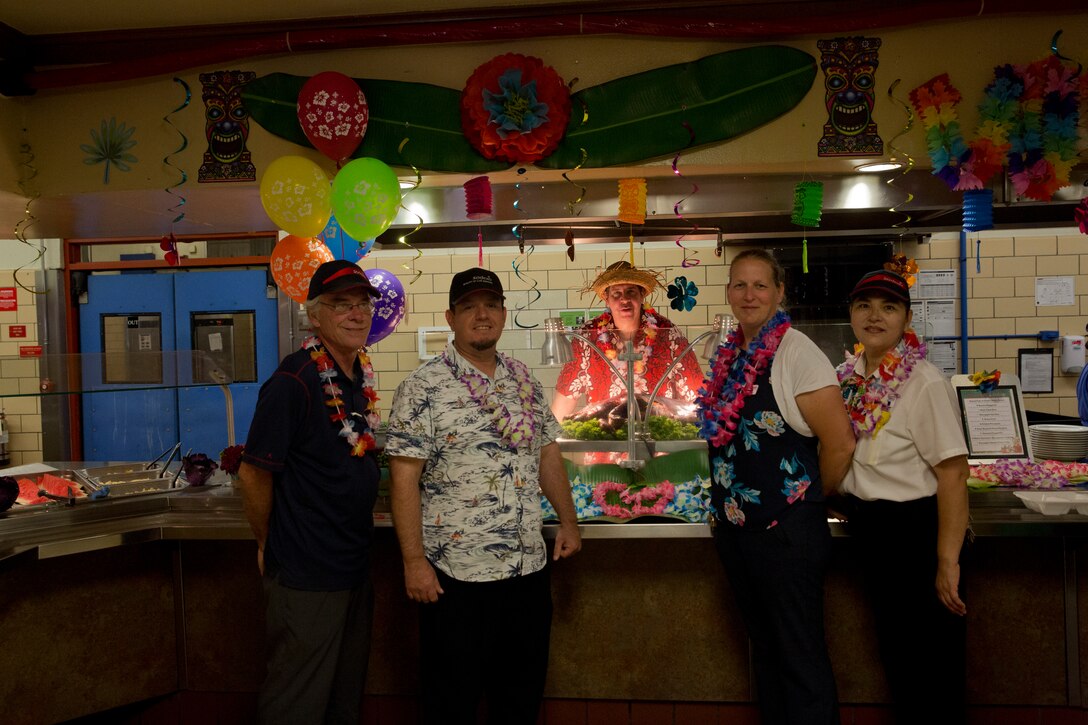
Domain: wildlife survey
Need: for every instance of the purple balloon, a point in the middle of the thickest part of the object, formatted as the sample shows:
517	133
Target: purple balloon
390	308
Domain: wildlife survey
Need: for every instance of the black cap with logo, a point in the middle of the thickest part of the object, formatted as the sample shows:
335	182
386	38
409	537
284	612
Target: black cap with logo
474	280
337	276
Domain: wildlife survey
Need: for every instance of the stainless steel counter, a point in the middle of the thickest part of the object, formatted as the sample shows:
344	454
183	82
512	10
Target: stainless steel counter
215	513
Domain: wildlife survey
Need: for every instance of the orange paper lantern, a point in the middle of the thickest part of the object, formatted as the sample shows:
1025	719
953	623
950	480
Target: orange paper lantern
294	261
632	201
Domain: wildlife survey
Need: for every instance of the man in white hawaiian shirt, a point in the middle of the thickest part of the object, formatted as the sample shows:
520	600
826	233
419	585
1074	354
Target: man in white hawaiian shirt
471	446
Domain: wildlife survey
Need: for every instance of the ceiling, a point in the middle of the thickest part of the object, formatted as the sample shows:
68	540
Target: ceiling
59	44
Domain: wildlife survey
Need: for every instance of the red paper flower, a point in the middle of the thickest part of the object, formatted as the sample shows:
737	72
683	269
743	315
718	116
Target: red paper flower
515	108
1081	215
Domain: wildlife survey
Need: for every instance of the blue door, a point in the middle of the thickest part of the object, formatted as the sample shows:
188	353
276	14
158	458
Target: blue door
162	347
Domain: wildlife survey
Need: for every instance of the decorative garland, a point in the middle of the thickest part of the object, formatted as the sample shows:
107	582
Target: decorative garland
513	427
997	114
935	101
732	379
360	443
1043	141
869	399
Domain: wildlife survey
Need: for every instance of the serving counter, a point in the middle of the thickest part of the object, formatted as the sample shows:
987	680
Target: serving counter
119	601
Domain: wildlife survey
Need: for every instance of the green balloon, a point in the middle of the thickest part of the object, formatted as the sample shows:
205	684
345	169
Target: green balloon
365	197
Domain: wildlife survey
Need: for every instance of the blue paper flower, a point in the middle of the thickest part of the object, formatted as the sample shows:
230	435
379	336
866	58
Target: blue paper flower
515	107
683	294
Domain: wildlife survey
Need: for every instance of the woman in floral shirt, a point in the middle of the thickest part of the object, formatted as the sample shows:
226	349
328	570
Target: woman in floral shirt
778	436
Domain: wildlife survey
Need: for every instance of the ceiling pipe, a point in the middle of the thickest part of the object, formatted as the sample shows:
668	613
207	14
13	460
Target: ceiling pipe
735	23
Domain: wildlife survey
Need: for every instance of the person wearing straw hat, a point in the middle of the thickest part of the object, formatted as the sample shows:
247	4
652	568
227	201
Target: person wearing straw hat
624	289
905	501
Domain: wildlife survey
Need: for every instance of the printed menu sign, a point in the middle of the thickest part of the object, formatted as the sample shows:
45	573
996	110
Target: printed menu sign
991	422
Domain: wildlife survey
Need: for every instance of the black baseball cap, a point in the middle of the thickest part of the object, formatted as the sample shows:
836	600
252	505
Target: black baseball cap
337	276
474	280
882	283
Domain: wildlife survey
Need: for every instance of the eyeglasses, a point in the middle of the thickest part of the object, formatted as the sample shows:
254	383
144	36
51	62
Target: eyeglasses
342	308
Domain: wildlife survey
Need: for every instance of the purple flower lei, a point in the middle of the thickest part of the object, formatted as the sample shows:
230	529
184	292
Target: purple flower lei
514	427
732	379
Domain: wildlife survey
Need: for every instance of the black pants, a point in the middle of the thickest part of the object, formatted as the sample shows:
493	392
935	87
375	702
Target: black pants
777	576
922	644
318	647
489	640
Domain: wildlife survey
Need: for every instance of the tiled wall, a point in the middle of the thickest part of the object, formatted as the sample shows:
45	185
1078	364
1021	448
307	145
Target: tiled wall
558	280
19	376
1001	299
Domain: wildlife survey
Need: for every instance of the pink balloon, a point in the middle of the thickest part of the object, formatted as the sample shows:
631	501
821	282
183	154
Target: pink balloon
333	113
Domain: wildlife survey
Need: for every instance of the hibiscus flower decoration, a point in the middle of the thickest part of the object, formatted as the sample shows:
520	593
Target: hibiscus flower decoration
904	266
515	108
683	294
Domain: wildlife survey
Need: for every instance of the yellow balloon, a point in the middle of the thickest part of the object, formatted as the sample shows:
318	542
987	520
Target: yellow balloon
295	193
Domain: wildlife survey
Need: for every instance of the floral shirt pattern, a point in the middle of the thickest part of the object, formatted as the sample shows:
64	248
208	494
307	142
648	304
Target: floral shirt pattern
481	499
659	341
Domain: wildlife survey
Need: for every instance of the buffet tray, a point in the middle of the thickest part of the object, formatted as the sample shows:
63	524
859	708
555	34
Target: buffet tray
130	479
570	445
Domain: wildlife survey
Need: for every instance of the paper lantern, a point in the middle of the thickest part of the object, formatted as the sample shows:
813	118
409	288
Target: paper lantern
808	200
978	210
294	261
478	198
632	201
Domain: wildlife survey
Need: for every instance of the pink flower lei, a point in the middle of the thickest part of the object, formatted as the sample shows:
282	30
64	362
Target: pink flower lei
732	379
869	399
362	442
514	427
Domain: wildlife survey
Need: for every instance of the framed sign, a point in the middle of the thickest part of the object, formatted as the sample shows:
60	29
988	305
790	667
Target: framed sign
1036	369
994	423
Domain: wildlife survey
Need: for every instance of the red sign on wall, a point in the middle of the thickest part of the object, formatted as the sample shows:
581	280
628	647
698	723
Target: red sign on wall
16	330
8	302
30	351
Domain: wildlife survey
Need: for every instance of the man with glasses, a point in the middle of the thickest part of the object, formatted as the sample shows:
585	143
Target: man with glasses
309	478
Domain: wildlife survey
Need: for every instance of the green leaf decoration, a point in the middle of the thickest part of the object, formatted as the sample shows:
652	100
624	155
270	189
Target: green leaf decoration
598	472
642	116
630	119
676	467
428	116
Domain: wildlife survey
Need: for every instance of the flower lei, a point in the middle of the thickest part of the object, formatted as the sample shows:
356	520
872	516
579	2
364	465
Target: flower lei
359	443
602	330
732	379
513	427
869	399
935	101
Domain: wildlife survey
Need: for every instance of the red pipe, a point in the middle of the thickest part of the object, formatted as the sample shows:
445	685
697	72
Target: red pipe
721	23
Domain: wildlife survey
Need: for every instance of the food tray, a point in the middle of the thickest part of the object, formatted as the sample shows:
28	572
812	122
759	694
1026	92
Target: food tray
1055	503
128	482
81	493
119	468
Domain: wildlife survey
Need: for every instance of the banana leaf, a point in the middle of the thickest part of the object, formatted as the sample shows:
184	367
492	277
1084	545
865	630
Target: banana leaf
597	472
642	116
676	467
428	116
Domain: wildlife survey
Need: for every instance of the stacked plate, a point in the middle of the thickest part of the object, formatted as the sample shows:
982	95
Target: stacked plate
1056	442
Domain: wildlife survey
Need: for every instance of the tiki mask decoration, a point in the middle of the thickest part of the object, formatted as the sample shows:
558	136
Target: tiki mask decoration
849	66
226	127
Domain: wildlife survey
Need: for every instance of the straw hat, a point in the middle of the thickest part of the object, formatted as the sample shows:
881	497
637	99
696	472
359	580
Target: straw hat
624	273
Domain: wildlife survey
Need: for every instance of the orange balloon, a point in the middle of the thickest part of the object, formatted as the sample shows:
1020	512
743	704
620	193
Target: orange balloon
294	261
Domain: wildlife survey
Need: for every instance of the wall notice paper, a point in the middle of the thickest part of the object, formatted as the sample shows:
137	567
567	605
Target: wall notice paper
1054	291
938	318
215	342
935	283
1036	370
944	356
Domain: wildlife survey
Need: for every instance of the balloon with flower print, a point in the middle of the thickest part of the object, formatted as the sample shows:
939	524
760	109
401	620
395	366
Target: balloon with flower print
296	196
294	261
333	113
365	197
341	244
390	308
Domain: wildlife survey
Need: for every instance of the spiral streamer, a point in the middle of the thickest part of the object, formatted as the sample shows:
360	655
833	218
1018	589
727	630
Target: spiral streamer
27	173
688	261
177	208
1054	50
410	267
523	258
896	155
574	207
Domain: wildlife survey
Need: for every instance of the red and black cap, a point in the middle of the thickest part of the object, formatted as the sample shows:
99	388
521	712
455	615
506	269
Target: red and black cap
882	283
337	276
474	280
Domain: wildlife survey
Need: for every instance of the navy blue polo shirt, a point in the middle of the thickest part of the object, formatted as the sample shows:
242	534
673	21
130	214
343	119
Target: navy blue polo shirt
322	523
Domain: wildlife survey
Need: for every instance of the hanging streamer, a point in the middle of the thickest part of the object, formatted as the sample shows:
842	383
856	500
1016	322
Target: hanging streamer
574	207
176	209
568	239
899	155
411	268
688	261
27	173
534	288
